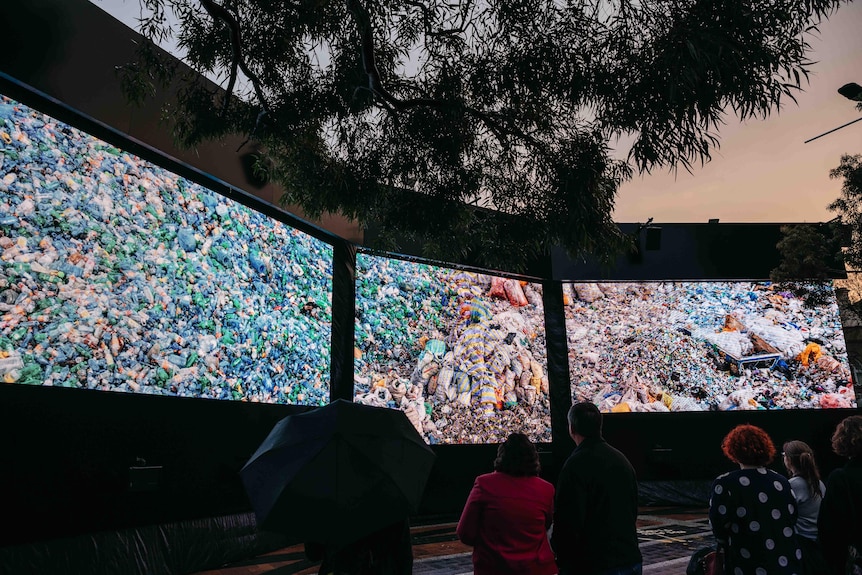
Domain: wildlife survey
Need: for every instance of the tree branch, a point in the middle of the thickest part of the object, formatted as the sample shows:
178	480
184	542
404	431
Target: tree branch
375	84
220	13
426	21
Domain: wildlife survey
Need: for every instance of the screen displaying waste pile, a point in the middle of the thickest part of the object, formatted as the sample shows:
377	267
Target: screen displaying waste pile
118	275
462	354
706	346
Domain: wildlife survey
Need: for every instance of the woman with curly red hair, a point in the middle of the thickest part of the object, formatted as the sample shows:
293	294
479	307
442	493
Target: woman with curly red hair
752	510
840	521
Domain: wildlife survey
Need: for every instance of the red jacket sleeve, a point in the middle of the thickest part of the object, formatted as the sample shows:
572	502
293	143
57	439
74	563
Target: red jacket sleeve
471	516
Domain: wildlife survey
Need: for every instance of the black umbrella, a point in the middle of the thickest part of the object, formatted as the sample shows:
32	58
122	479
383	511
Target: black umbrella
337	473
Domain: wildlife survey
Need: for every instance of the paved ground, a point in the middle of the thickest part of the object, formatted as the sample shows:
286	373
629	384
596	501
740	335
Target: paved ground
668	537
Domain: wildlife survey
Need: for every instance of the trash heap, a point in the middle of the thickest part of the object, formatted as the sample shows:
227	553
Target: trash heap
118	275
462	354
686	346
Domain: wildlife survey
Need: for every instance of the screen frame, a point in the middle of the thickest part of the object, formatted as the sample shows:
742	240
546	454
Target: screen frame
42	103
364	250
856	382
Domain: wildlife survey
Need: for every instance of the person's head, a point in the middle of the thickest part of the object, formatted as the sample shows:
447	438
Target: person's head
847	439
517	456
748	445
799	461
585	421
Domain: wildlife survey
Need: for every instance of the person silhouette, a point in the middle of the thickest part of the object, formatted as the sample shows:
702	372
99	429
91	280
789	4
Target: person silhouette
840	521
596	505
808	490
752	509
508	513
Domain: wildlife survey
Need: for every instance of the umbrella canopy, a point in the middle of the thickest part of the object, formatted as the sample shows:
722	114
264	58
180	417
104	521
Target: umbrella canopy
337	473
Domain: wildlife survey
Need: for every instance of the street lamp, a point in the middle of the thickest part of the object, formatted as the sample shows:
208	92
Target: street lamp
851	91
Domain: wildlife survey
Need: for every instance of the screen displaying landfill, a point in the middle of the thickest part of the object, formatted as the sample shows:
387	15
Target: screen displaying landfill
118	275
462	354
706	346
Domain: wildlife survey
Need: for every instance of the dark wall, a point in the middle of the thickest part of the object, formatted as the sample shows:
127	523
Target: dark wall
677	446
66	454
684	251
661	446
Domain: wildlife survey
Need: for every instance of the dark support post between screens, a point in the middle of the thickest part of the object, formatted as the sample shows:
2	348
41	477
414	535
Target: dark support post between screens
560	388
343	296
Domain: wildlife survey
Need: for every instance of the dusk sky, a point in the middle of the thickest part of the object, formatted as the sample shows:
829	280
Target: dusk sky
763	172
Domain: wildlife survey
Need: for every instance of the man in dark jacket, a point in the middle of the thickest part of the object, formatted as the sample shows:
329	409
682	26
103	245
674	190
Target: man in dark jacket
596	505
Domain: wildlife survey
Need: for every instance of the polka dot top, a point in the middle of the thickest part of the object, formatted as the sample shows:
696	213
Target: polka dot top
753	512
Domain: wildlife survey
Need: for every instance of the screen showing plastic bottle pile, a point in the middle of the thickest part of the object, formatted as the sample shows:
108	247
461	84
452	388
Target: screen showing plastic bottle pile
119	275
462	354
698	346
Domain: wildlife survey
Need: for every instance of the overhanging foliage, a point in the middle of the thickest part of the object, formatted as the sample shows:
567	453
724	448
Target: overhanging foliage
509	105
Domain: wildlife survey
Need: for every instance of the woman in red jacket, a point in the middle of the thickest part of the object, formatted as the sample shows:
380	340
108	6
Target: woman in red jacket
507	516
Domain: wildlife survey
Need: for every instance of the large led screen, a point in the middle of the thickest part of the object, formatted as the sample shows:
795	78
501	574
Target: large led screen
697	346
118	275
462	354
